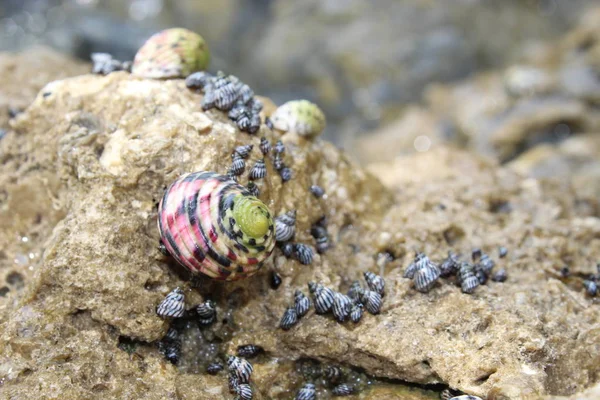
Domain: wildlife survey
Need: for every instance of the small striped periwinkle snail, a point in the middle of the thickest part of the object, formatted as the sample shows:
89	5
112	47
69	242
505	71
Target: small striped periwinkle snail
214	226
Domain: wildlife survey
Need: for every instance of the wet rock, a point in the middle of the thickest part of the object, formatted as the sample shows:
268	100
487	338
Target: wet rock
101	275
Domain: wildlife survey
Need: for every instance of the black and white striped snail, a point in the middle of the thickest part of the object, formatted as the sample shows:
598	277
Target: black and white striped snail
214	226
301	303
306	392
173	306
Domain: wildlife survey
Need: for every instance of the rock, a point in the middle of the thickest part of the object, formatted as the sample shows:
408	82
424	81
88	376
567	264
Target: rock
96	153
97	187
547	98
22	75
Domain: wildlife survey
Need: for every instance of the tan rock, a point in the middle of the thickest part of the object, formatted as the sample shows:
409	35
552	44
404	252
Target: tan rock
86	326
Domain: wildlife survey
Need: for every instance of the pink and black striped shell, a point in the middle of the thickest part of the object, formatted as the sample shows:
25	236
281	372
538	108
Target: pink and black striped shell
214	226
172	53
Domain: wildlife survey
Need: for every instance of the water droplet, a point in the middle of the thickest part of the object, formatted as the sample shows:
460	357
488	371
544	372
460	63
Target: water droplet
422	143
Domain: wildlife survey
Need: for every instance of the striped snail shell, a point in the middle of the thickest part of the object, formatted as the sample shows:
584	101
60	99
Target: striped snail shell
419	262
323	297
237	165
240	368
259	170
372	301
375	282
355	292
198	80
248	350
244	391
207	312
214	226
467	279
301	303
306	392
172	53
343	390
333	373
289	319
243	151
303	253
233	382
285	226
265	145
342	306
465	397
299	116
426	277
450	265
356	313
173	305
214	368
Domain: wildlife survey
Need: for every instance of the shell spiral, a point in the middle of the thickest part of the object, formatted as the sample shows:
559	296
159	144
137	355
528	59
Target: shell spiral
214	226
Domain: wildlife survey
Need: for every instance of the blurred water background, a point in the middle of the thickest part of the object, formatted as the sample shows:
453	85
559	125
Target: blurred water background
361	60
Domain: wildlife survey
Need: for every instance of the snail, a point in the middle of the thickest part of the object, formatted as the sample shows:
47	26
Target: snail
265	146
356	313
372	301
244	391
173	305
375	282
172	53
301	303
500	275
355	291
342	306
240	368
467	279
323	297
289	319
343	390
248	351
450	265
299	116
214	368
214	226
306	392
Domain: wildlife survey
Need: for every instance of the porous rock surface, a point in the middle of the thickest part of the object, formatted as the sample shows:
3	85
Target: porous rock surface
96	153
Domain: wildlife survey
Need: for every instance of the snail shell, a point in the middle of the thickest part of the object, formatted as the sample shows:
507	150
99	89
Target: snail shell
248	351
285	226
426	277
244	391
372	301
214	368
289	319
265	146
307	392
301	303
467	279
302	253
240	368
356	313
450	265
355	292
375	282
323	297
500	275
172	53
258	171
343	390
173	306
342	306
591	288
299	116
214	226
